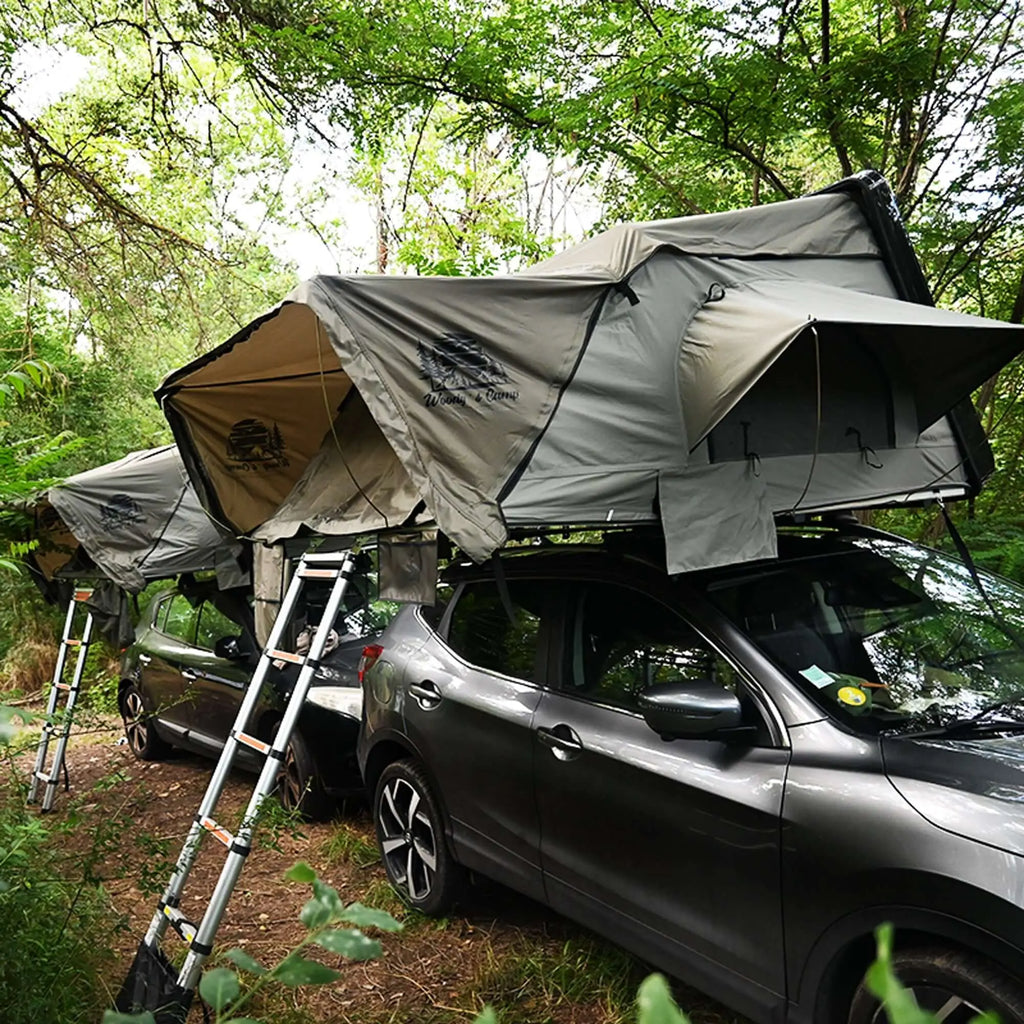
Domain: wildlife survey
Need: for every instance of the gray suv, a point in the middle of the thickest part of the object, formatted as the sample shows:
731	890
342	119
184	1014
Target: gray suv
737	774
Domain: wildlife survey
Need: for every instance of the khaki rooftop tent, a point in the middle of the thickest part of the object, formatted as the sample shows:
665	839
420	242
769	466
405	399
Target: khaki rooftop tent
129	522
708	372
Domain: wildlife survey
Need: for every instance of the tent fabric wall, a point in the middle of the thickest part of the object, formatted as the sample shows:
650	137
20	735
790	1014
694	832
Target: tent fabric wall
564	394
139	519
362	491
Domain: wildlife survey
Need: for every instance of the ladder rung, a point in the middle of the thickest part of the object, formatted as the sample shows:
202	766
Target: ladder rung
217	831
325	558
42	776
251	741
63	686
295	659
72	643
180	923
318	574
82	595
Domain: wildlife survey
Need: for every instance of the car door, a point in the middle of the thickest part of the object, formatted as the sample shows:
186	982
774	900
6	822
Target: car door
672	847
220	683
469	705
165	666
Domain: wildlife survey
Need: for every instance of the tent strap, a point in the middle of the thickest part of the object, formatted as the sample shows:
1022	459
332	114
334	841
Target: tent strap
965	555
502	585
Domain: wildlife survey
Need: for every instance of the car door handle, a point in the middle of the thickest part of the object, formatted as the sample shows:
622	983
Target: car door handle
426	694
145	659
190	676
565	744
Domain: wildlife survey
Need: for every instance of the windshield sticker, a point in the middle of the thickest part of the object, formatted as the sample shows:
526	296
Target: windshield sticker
817	676
852	695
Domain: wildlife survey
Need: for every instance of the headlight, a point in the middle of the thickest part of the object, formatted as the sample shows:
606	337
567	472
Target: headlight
347	700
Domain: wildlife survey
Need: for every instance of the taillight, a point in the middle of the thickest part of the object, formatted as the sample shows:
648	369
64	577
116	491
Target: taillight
371	652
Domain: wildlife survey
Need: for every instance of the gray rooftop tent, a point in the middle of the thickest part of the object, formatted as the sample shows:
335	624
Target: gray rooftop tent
137	519
708	372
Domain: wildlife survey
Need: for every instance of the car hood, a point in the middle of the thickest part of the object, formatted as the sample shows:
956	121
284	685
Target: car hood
971	787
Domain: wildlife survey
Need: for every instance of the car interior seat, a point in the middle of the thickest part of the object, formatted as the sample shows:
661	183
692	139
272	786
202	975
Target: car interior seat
779	613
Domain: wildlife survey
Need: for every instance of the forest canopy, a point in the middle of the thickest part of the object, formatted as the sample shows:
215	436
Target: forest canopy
168	170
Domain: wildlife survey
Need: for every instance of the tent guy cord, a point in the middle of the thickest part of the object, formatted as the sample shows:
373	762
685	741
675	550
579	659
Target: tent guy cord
330	419
965	556
817	425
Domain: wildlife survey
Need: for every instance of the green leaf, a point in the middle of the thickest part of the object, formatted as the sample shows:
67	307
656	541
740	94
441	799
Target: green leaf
350	942
115	1017
219	987
244	962
370	917
300	871
241	1020
656	1003
486	1016
327	896
295	970
314	914
899	1002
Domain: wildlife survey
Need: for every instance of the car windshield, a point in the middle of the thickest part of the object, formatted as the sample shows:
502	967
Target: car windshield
884	632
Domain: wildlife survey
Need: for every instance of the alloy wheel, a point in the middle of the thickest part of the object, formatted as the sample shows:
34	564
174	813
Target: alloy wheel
407	839
291	785
946	1007
135	727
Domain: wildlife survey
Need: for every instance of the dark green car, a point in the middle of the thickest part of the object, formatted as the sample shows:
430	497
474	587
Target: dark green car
183	679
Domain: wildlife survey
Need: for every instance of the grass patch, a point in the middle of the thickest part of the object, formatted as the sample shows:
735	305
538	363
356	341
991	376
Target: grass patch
381	894
529	983
348	843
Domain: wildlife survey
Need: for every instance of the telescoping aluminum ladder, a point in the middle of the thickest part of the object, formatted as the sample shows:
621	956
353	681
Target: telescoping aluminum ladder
152	982
59	716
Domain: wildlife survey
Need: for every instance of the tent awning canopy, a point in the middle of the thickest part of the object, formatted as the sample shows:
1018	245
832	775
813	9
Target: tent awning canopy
138	519
748	363
928	359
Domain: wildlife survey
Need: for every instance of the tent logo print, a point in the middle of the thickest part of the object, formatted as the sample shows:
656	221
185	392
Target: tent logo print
120	511
254	445
458	369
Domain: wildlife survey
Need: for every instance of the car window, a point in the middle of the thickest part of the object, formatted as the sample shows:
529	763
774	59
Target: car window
481	631
885	634
213	626
619	642
180	619
433	613
160	612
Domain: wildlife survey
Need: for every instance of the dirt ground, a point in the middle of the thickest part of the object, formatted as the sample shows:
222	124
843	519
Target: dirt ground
534	966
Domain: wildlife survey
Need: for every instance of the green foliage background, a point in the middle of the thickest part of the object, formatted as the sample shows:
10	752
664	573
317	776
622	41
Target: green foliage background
159	165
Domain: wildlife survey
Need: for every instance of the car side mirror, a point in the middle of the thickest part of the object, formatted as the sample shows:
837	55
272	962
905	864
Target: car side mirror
230	648
694	708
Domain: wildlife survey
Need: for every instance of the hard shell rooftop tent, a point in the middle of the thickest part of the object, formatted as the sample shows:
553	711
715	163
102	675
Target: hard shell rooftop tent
708	372
137	519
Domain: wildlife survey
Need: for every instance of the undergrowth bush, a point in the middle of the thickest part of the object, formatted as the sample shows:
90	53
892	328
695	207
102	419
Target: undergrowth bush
28	641
53	924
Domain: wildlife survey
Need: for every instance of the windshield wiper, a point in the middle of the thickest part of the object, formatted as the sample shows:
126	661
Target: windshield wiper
982	722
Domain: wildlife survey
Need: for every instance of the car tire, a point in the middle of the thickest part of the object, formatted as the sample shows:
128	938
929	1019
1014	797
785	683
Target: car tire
959	985
410	835
298	785
139	730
